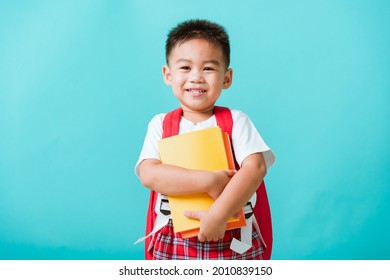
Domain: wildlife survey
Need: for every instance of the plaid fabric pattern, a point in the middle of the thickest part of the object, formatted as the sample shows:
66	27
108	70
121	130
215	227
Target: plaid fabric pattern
170	246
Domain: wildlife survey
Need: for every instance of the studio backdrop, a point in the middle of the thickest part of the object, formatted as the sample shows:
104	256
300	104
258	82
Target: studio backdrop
80	80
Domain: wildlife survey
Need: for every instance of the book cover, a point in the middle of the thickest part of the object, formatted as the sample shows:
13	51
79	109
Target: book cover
206	149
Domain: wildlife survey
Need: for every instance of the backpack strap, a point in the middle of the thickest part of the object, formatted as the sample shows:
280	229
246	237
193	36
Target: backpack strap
150	220
261	210
171	126
171	123
224	118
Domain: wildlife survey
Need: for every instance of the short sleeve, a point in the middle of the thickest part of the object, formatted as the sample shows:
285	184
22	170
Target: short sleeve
246	140
150	146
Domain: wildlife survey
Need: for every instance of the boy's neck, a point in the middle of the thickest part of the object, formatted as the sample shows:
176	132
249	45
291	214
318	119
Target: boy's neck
197	116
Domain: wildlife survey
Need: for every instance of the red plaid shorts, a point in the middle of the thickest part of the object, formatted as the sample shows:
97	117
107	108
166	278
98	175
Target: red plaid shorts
170	246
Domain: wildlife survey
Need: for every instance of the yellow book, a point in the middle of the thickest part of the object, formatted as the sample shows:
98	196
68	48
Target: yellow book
206	149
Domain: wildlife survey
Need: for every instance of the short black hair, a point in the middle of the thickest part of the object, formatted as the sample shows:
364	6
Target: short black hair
199	29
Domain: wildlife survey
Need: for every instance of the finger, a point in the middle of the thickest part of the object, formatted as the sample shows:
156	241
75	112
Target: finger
231	173
215	239
192	214
201	238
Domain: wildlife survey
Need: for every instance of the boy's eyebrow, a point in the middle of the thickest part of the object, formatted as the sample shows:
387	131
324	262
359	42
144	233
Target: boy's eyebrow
212	61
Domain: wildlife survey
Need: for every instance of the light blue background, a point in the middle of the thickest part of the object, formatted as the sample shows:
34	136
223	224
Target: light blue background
80	80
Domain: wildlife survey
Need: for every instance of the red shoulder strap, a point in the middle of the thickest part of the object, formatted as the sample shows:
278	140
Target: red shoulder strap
262	208
224	119
171	126
171	123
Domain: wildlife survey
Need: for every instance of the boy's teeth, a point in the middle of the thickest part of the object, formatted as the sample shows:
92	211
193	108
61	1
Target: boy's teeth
196	90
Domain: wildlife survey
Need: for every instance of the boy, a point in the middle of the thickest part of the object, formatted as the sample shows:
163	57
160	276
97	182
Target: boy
198	58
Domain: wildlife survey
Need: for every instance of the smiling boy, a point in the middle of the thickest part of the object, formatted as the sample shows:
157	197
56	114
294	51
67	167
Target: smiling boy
198	58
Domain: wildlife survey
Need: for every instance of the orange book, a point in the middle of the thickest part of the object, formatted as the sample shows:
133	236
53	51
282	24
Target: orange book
206	149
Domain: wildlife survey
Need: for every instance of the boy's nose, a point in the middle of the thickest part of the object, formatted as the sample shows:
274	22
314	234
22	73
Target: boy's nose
196	77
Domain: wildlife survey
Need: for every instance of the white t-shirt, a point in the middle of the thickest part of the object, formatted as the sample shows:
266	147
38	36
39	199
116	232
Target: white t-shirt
245	138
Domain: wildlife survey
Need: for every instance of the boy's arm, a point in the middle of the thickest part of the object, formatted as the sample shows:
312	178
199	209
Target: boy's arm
170	179
235	195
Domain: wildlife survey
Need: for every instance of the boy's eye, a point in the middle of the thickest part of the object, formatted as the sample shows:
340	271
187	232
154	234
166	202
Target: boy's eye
185	68
208	69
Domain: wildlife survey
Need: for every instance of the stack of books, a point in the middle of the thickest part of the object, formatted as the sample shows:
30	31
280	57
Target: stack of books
206	149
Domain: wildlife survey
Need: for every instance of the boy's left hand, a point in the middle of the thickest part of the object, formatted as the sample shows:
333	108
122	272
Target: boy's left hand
210	229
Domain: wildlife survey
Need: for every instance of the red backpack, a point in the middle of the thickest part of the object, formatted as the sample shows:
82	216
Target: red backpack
171	126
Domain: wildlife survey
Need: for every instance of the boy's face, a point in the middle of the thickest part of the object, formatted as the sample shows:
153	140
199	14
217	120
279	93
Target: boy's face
197	73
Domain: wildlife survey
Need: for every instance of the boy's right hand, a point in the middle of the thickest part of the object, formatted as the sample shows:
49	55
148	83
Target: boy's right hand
220	179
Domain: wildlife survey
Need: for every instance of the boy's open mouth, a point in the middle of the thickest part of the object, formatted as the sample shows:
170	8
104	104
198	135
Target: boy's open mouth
195	92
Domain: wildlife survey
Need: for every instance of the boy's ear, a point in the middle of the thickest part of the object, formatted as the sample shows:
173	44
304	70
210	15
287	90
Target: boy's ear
228	79
167	75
